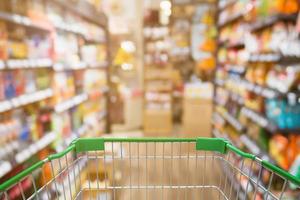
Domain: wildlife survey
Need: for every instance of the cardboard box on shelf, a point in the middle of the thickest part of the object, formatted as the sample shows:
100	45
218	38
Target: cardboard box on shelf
197	110
197	117
158	123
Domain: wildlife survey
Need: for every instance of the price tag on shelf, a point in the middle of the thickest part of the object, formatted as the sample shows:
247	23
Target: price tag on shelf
15	102
33	149
22	156
5	167
5	105
268	93
260	120
257	89
250	145
2	65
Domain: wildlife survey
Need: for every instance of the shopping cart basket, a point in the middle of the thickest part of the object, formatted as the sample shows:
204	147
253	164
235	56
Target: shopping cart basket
151	168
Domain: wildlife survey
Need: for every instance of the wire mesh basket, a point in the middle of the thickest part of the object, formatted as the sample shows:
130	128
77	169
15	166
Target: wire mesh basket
151	168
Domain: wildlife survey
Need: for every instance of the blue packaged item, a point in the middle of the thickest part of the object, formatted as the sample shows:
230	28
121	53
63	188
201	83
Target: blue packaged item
9	85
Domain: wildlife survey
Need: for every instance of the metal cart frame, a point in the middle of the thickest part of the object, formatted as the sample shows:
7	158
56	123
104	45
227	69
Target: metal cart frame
148	168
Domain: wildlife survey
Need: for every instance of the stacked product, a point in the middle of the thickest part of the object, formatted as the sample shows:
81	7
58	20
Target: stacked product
183	65
158	74
257	94
203	39
53	80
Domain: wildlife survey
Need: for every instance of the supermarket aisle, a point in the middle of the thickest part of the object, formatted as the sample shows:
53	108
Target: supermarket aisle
223	68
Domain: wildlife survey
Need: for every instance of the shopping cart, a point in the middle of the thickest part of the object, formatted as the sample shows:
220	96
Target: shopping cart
151	168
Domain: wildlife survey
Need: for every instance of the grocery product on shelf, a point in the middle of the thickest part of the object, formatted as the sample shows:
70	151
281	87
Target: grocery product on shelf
158	76
203	40
257	78
197	101
47	50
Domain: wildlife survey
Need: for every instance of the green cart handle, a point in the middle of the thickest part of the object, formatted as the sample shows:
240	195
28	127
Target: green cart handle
97	144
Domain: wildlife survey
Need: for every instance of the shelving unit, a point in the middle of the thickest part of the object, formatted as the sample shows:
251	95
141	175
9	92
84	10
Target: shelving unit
180	55
25	99
245	97
52	90
271	20
158	88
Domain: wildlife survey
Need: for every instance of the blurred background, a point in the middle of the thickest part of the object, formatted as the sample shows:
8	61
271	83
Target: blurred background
154	68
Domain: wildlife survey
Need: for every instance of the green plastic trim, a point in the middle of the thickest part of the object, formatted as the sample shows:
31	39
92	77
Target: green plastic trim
281	172
15	179
89	144
61	154
149	139
10	182
94	144
239	152
211	144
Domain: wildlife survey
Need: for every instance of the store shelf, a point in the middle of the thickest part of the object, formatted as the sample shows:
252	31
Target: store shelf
264	57
8	149
27	22
25	154
59	67
217	118
25	100
75	101
232	120
258	119
62	26
274	58
289	60
97	65
5	167
85	31
238	45
35	147
85	10
255	149
260	90
21	20
263	91
48	63
66	27
226	5
234	96
220	82
27	63
236	69
270	21
262	121
255	88
233	18
235	82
